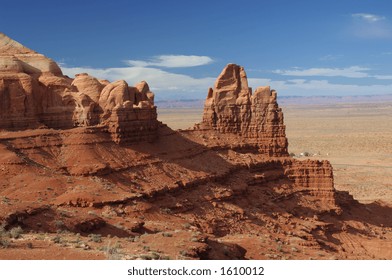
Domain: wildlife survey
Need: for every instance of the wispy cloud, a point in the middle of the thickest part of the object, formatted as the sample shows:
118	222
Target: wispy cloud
168	85
368	17
159	80
172	61
383	77
327	88
349	72
330	57
370	26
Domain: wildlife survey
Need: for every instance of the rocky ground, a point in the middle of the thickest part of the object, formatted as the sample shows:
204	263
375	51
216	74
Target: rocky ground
185	202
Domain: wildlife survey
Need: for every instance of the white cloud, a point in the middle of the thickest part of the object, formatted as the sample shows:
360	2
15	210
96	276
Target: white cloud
158	80
383	77
330	57
349	72
169	85
370	26
326	88
172	61
368	17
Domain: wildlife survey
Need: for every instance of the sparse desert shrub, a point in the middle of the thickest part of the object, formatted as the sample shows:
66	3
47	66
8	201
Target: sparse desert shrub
4	243
16	232
92	213
112	252
59	224
95	238
5	200
56	239
305	154
165	211
167	234
292	154
184	253
146	248
145	257
187	225
119	226
3	232
155	255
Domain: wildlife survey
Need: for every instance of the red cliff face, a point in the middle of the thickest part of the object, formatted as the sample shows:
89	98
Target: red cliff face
231	107
34	93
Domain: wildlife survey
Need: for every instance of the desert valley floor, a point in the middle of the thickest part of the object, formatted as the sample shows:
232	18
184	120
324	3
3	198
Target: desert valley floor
354	137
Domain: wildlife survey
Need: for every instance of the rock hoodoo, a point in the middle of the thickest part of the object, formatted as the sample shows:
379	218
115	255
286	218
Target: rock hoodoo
34	93
242	121
231	107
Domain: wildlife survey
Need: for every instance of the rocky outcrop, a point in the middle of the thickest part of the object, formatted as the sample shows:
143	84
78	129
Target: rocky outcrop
34	93
231	107
313	180
16	58
238	120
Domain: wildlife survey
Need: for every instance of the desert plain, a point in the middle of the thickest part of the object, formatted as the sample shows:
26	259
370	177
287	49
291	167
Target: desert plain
355	137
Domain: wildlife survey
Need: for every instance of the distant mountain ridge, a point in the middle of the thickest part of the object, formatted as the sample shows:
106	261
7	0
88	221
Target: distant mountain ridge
287	100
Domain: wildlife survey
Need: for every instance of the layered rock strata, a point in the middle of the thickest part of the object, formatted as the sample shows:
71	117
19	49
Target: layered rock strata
231	107
34	93
240	119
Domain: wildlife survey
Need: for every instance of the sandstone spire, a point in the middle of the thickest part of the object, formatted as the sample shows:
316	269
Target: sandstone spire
231	107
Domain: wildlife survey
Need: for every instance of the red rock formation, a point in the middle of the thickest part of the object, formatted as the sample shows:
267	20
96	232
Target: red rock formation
34	93
222	190
243	119
230	107
313	180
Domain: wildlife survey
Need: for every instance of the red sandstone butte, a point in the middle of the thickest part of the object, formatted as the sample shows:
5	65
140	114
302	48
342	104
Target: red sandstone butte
87	156
35	93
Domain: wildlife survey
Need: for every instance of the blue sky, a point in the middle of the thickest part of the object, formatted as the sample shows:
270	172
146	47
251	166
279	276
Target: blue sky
179	47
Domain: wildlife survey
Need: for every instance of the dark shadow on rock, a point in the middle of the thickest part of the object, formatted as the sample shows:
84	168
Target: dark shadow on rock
223	251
